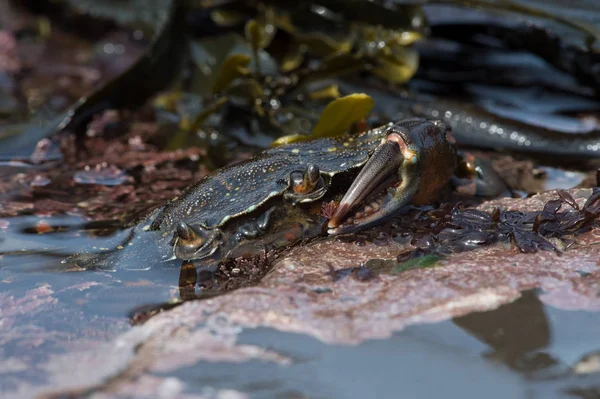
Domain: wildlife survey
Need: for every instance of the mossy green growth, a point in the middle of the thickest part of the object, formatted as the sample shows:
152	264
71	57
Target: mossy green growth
417	263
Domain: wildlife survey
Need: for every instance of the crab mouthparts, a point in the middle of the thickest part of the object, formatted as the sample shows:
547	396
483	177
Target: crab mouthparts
379	173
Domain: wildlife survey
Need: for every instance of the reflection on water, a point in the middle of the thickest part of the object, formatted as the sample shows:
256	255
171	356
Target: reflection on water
521	350
516	334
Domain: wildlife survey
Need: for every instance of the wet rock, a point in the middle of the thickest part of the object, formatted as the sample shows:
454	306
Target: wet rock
299	295
120	178
40	181
103	174
45	150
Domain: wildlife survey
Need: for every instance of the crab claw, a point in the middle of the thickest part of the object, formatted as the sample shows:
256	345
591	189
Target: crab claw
195	242
380	171
412	164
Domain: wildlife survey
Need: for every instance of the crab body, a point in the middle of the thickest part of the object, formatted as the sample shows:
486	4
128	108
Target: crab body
275	198
242	208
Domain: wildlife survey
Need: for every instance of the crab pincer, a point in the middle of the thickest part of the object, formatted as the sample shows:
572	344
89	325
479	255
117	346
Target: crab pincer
411	165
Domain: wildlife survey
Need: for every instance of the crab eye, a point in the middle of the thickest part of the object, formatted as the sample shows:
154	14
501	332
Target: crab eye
195	242
185	232
306	186
305	182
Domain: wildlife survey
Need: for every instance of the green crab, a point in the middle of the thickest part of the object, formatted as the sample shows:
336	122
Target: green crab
289	193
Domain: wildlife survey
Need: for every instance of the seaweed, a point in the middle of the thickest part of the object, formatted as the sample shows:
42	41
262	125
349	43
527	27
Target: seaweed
271	69
260	86
449	230
580	62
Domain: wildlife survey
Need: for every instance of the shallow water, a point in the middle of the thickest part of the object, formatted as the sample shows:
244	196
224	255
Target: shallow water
27	253
48	307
